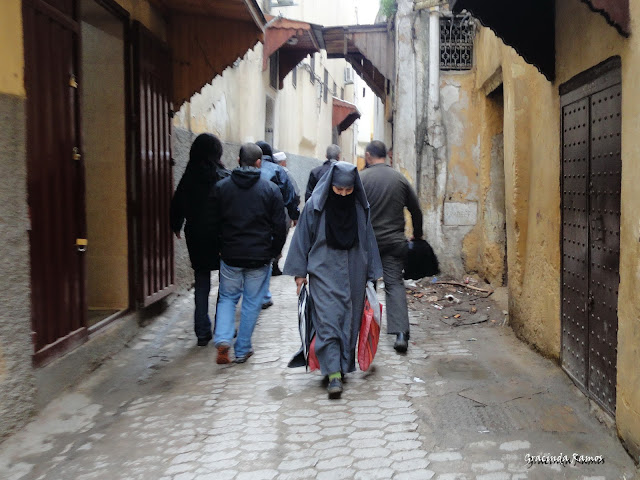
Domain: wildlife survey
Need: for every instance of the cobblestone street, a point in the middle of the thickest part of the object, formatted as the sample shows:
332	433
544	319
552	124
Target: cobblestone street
464	403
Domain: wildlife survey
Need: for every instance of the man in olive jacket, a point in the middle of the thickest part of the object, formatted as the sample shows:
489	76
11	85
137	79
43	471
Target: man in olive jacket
389	192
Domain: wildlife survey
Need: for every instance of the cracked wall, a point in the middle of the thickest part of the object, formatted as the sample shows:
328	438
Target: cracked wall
441	150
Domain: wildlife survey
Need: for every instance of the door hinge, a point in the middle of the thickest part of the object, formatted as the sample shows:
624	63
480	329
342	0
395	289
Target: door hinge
72	81
76	154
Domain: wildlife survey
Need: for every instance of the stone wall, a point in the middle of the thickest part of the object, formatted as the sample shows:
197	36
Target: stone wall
16	374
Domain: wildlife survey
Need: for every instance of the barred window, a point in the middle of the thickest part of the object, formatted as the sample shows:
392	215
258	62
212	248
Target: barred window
456	42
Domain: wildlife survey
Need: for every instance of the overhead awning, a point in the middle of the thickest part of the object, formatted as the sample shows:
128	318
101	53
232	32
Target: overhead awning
293	39
368	48
615	11
207	36
528	27
344	114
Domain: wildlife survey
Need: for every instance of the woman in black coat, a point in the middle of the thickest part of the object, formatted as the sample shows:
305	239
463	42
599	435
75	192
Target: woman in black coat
189	203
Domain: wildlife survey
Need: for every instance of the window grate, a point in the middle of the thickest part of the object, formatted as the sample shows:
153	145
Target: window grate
456	42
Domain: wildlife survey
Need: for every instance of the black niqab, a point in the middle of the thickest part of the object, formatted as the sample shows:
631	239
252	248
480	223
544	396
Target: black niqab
341	223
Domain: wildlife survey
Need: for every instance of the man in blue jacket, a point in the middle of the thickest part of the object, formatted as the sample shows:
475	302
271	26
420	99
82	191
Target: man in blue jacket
270	170
249	214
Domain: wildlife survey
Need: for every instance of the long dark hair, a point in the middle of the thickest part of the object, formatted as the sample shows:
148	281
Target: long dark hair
205	155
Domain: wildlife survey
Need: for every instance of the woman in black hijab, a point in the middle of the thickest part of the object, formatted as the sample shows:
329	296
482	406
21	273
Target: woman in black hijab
335	246
189	203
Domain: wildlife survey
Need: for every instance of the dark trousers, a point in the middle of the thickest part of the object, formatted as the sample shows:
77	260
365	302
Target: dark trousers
393	257
201	320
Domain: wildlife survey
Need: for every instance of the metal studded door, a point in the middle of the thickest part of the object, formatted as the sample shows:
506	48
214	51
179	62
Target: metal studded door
591	177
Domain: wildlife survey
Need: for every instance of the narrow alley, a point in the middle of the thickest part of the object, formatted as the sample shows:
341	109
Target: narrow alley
466	402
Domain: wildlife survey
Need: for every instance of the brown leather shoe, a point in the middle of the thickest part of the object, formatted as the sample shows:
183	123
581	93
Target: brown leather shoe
223	354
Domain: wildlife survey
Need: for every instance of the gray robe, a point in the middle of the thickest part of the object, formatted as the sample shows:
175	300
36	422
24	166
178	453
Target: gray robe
337	278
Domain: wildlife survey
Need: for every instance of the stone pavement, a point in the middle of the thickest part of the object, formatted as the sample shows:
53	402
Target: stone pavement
464	403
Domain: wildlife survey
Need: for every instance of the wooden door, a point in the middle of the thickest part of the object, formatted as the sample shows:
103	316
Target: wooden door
55	175
153	167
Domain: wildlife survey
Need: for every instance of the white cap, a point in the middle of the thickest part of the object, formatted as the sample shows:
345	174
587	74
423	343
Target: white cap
279	156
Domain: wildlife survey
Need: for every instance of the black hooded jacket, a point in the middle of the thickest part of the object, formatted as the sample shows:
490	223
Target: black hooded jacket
250	218
189	203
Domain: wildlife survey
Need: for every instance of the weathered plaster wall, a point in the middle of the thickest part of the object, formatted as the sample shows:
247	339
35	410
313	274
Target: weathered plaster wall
441	150
628	403
532	187
461	227
484	248
420	136
405	108
531	153
16	374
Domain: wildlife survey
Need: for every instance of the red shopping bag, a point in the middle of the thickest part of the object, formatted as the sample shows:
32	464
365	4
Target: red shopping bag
312	360
369	328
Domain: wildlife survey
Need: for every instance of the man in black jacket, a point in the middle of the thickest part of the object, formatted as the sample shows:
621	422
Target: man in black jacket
249	214
333	156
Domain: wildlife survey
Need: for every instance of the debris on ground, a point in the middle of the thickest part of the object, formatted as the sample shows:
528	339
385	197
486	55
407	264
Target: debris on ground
459	321
487	291
460	301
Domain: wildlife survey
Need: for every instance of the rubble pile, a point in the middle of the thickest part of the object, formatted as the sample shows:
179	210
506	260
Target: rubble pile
455	302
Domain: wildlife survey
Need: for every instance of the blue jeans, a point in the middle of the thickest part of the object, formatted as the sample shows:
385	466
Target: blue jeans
201	320
251	284
267	296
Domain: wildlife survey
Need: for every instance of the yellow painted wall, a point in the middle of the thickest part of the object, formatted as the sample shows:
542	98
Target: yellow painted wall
11	48
104	151
628	403
532	171
472	122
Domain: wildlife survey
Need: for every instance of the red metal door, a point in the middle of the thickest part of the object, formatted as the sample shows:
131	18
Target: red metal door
153	167
55	176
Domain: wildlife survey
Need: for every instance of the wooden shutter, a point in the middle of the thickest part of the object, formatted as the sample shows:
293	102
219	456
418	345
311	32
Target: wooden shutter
155	275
